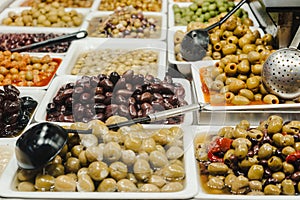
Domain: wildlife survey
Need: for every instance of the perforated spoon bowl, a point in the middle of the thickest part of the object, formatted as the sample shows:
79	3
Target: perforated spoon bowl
281	71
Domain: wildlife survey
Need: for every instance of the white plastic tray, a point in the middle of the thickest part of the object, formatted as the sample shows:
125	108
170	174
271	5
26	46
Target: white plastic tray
4	4
171	20
212	130
25	29
61	80
93	44
164	6
17	3
163	16
200	97
190	188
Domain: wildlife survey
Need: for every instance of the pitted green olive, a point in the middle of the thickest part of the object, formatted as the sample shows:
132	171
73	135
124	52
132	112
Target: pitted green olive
255	134
229	49
275	163
239	133
236	85
293	127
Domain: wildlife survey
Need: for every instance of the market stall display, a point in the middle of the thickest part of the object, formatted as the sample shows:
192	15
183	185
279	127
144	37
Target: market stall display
139	119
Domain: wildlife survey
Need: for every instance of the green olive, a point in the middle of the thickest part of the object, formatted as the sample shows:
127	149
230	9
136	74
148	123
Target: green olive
254	57
247	93
236	85
288	168
241	151
239	133
271	99
288	187
230	69
217	168
243	67
275	163
229	49
265	151
240	100
272	190
55	169
248	47
253	82
278	176
256	172
44	182
255	134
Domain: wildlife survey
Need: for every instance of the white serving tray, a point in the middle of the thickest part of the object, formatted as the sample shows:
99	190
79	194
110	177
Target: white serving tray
163	16
164	6
94	44
191	186
25	29
213	130
171	20
4	4
200	97
59	81
17	3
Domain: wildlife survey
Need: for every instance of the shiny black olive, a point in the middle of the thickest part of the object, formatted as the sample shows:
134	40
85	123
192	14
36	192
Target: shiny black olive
114	77
29	103
24	119
11	88
51	108
11	107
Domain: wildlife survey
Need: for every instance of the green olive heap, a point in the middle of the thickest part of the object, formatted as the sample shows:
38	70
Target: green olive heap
260	161
203	11
44	15
132	159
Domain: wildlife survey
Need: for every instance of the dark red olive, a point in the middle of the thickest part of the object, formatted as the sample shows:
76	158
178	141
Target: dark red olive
99	98
51	108
111	110
67	93
119	99
131	101
123	111
78	90
107	85
78	111
145	106
86	98
124	92
99	116
146	97
157	96
99	107
69	102
108	96
101	77
132	111
99	90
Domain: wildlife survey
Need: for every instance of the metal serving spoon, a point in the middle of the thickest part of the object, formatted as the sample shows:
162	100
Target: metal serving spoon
41	143
195	43
281	71
64	38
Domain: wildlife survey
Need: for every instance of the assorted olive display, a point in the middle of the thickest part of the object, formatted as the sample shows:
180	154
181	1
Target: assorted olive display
125	22
15	111
62	3
259	161
130	95
107	61
26	70
203	11
132	159
44	15
140	5
9	41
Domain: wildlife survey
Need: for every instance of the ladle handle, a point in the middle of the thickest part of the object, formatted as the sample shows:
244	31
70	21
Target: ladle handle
88	131
64	38
296	40
159	115
233	10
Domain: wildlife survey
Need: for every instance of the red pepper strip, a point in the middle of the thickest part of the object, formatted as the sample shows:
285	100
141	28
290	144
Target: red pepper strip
293	157
224	144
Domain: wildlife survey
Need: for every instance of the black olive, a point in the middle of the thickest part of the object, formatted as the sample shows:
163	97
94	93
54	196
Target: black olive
29	103
24	119
11	96
11	88
51	108
114	77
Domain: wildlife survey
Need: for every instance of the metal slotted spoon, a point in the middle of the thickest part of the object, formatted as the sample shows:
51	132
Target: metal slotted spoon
281	71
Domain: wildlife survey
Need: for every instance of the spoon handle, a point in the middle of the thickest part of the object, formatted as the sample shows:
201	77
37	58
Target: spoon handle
88	131
64	38
233	10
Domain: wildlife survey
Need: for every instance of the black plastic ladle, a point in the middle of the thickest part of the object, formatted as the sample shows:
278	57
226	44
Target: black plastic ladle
64	38
41	143
195	43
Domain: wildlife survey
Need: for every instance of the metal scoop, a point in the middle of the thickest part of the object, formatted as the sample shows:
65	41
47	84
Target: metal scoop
64	38
41	143
195	43
281	71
